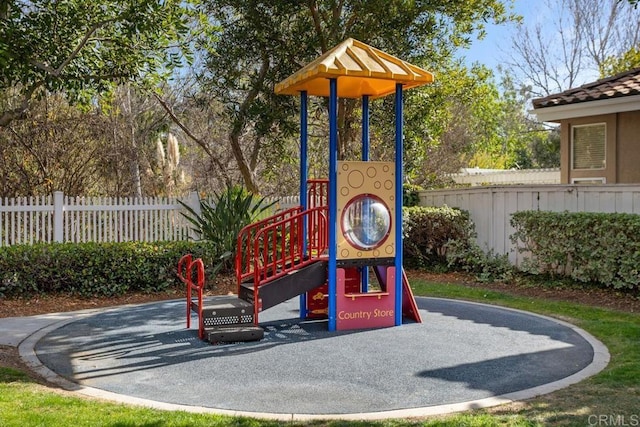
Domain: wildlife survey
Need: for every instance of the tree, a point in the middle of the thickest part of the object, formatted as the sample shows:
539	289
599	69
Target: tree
466	118
617	64
60	146
79	48
584	34
57	148
135	122
262	43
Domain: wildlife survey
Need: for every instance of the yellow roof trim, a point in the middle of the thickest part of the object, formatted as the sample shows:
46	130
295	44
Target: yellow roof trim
360	70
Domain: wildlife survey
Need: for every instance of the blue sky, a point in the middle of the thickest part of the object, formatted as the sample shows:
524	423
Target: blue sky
492	50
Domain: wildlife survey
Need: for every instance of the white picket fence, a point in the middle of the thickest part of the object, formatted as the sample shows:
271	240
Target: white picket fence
59	218
491	208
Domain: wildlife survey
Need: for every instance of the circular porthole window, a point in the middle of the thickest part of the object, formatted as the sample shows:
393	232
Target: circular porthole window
366	222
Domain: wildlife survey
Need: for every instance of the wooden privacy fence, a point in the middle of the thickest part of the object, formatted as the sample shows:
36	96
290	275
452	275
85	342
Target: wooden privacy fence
59	218
491	208
479	177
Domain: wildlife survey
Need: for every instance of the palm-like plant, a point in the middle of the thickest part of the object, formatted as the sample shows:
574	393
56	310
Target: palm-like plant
222	221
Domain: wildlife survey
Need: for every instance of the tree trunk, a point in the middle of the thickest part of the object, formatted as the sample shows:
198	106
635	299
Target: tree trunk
346	130
248	175
134	161
239	124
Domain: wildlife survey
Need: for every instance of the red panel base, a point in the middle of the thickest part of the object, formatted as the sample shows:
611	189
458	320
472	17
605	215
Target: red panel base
409	306
317	301
355	310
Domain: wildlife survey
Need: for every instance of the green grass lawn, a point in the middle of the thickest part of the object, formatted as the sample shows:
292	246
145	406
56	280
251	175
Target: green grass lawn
610	398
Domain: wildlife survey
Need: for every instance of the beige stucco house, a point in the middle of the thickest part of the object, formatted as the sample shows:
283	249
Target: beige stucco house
600	129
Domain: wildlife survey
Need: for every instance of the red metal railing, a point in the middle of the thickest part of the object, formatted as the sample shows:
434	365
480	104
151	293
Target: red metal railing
317	196
317	193
275	246
186	272
278	248
246	238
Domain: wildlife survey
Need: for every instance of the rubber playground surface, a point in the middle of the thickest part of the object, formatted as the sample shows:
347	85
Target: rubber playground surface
464	355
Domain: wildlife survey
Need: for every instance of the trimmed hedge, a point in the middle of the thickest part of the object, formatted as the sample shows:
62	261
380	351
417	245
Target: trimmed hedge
95	269
588	247
108	269
428	231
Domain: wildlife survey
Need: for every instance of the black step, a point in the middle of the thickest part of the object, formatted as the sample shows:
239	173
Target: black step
246	292
234	333
227	310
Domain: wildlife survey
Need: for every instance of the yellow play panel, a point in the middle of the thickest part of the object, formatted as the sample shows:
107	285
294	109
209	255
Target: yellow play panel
366	210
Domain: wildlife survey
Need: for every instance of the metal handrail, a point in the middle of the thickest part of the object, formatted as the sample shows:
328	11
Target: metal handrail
244	244
275	255
278	247
185	274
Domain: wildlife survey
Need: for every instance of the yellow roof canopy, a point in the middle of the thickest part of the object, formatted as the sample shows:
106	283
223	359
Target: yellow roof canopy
360	70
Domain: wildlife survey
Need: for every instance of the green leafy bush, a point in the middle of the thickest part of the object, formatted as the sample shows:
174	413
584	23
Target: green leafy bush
486	266
221	222
411	195
588	247
428	230
96	269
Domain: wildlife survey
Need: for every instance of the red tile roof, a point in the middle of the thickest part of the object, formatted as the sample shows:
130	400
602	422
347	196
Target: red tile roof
623	84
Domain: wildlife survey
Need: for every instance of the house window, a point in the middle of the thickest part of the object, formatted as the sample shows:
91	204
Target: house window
588	148
589	181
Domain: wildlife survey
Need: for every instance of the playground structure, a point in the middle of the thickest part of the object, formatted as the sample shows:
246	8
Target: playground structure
347	226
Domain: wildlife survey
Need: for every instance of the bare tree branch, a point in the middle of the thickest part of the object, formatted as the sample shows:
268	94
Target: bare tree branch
583	34
182	126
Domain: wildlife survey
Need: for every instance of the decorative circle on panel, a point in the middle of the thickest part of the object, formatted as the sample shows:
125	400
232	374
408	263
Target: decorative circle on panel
366	222
355	179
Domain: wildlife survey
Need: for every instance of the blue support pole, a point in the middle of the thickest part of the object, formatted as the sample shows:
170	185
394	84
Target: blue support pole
365	128
398	197
303	150
333	200
303	184
364	272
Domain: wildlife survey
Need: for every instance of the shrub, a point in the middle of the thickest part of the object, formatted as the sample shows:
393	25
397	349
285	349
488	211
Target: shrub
486	266
427	230
96	269
411	195
586	246
221	222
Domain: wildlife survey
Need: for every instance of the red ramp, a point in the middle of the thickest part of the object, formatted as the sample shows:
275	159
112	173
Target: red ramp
409	306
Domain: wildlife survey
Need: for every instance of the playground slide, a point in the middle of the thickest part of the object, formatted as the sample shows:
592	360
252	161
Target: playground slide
409	306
